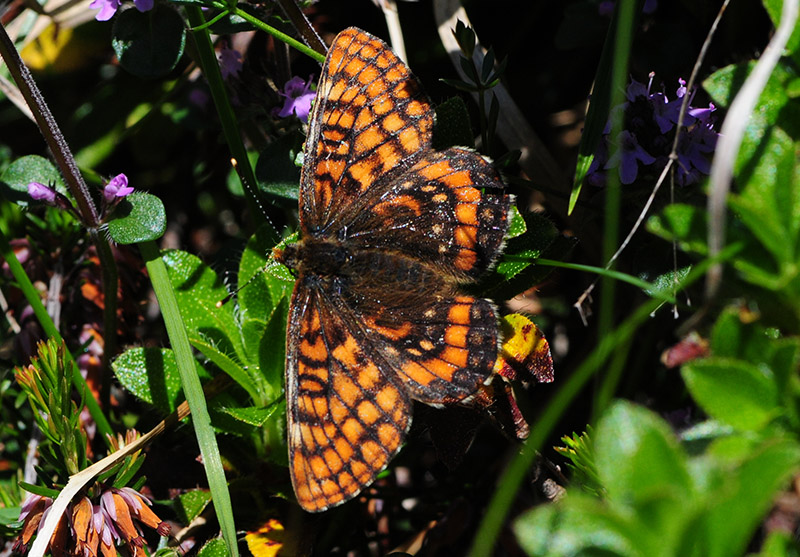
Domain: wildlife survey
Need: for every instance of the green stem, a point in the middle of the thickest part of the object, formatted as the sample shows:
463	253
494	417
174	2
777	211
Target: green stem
227	117
297	45
193	389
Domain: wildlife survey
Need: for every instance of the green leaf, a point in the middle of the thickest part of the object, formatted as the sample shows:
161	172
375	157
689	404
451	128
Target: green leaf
149	44
516	269
276	172
638	457
214	548
138	217
769	204
646	476
742	497
253	415
15	179
212	330
580	526
189	505
152	375
732	391
684	223
272	350
774	8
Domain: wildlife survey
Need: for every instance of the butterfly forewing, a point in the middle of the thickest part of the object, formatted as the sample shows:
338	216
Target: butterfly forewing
370	120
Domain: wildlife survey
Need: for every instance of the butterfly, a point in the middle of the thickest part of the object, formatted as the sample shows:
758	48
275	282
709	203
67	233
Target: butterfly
389	230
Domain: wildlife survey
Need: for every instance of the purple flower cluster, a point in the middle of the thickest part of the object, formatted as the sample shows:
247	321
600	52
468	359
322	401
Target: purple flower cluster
649	125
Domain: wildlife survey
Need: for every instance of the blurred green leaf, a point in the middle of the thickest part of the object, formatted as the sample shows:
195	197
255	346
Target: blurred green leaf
149	44
733	391
138	217
452	125
214	548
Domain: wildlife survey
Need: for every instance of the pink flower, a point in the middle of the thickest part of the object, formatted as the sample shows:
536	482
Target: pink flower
117	187
42	193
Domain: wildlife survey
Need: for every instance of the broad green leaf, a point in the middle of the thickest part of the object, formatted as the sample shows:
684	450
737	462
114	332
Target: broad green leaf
15	179
774	8
152	375
189	505
726	336
769	204
579	525
733	391
138	218
744	495
638	457
149	44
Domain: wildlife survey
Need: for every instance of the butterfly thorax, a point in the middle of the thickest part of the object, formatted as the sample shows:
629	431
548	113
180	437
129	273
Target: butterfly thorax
381	272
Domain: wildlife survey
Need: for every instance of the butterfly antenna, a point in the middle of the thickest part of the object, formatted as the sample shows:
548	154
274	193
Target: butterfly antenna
229	297
256	197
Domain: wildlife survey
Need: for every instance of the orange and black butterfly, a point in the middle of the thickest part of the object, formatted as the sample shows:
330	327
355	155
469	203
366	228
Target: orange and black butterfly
389	229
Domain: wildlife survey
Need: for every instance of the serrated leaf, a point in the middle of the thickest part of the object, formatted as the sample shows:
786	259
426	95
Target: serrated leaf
253	415
213	330
189	505
139	217
15	179
733	391
214	548
152	375
149	44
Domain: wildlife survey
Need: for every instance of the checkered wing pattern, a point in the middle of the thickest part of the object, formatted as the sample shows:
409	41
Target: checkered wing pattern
346	419
370	120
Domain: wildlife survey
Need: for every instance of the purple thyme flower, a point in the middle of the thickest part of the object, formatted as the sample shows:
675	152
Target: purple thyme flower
650	121
117	187
230	62
628	154
298	96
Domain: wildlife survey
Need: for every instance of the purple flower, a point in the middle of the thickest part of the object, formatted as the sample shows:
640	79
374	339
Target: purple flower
628	155
230	62
650	122
107	9
144	5
42	193
298	96
117	187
